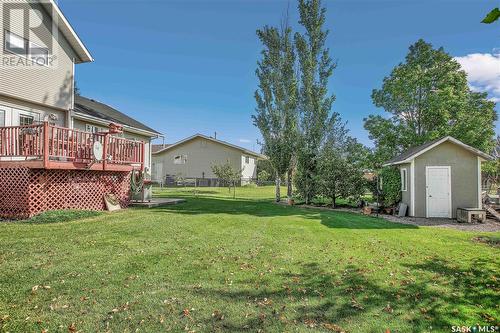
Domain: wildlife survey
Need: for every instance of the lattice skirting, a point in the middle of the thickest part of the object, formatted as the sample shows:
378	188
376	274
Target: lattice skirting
26	192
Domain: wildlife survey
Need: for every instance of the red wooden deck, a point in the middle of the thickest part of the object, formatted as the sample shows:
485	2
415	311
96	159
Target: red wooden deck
51	147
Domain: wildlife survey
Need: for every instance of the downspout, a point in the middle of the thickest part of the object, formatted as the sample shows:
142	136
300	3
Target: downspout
69	117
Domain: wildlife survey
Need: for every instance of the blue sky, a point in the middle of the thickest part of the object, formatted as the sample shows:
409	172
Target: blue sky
183	67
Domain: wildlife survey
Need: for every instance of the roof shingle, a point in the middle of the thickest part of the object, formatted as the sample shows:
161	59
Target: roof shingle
105	112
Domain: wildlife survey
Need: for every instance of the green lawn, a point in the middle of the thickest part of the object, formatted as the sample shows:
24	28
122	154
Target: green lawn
220	264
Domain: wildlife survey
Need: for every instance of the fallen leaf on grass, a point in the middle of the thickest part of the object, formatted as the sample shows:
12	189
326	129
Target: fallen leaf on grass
217	315
333	328
388	308
72	327
36	287
265	302
356	305
311	323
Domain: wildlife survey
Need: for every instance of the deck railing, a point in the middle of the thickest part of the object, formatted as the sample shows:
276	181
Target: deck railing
50	143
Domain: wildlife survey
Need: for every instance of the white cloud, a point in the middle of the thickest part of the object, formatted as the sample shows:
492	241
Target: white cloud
483	71
245	141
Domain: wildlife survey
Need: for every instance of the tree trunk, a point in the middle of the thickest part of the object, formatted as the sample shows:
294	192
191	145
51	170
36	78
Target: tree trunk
278	185
289	189
334	199
306	195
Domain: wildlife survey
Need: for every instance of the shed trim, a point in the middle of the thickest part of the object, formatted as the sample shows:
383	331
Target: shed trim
412	188
479	191
419	152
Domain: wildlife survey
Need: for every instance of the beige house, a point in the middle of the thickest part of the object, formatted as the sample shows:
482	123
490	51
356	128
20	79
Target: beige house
37	70
439	177
194	157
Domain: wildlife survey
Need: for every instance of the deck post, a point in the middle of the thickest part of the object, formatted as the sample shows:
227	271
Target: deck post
105	151
143	157
45	144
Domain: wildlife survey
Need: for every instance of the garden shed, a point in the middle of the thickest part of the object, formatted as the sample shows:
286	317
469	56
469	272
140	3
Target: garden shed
440	176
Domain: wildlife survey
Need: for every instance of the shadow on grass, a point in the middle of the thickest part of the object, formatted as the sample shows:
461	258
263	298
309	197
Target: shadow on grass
330	219
318	297
58	216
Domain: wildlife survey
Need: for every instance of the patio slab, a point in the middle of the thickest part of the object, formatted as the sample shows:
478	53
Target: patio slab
157	202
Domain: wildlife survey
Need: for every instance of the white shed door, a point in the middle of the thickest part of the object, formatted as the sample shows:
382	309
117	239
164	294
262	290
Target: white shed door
438	191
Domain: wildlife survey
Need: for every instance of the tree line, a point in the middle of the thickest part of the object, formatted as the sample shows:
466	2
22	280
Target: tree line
425	97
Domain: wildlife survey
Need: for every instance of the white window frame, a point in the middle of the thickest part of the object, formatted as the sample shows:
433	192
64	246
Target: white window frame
404	179
7	36
2	117
247	159
28	46
92	128
26	116
180	159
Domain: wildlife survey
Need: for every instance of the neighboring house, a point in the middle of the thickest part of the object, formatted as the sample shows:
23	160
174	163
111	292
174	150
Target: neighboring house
440	176
57	151
92	116
194	157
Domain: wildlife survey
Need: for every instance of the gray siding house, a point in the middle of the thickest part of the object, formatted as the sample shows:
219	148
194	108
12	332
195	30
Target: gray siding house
31	92
440	176
37	70
194	156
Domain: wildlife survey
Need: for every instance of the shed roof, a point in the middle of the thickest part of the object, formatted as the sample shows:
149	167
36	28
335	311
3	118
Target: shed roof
243	150
408	155
95	109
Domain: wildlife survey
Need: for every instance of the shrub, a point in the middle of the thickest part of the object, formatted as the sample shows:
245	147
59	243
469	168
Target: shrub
263	175
391	186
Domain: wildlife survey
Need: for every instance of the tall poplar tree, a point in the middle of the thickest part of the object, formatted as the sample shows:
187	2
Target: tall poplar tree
314	102
276	97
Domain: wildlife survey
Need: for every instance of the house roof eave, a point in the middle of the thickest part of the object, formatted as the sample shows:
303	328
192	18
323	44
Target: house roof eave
67	30
245	151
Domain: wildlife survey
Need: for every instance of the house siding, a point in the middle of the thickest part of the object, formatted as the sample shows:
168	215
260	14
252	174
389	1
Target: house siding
464	176
249	170
10	109
406	195
201	155
46	85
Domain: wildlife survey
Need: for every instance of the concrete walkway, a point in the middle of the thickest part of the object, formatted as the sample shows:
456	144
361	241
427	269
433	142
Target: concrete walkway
157	202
